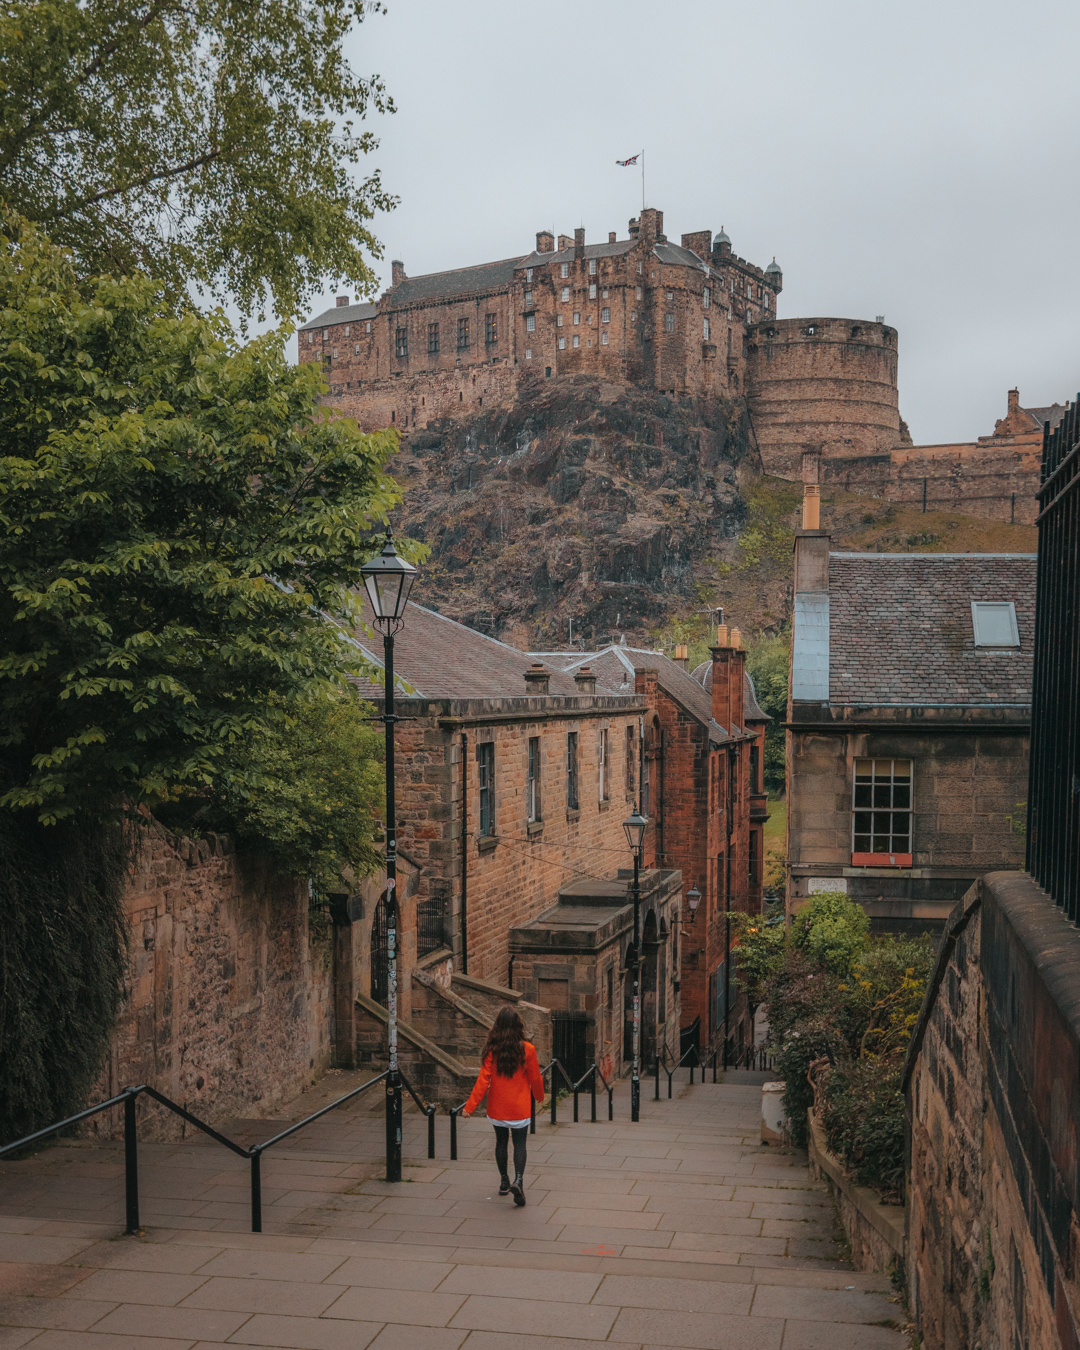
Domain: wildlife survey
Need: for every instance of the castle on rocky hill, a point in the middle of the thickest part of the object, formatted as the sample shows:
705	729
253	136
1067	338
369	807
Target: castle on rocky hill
689	320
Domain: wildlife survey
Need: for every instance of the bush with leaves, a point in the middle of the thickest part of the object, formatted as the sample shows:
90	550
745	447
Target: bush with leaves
833	930
767	662
759	948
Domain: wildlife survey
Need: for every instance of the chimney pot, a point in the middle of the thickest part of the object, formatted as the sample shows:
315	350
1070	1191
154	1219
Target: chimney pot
342	300
682	655
611	236
736	638
585	680
721	635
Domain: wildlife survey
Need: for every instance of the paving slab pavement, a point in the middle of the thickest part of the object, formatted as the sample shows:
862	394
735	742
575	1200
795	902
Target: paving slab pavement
682	1231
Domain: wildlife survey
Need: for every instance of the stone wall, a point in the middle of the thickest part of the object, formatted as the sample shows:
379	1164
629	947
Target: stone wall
229	1000
993	1100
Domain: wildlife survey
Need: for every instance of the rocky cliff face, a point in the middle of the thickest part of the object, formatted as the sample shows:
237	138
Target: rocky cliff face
602	504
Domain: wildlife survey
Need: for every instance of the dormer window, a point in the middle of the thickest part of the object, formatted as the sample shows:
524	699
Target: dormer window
994	623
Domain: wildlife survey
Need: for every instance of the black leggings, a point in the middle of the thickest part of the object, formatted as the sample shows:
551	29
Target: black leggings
502	1139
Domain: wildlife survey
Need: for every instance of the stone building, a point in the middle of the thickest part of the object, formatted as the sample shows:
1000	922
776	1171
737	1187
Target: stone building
702	756
908	725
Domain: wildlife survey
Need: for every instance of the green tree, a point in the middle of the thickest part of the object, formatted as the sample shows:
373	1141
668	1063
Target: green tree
207	142
177	518
767	663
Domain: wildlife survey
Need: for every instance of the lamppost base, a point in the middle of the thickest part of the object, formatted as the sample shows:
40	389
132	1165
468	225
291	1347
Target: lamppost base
635	1099
393	1126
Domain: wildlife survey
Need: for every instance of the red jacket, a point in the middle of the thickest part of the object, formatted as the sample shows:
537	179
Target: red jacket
508	1098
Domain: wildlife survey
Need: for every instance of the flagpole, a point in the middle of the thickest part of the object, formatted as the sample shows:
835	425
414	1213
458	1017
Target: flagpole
643	180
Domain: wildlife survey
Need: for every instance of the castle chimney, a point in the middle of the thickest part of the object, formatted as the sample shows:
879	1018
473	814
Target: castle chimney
537	678
342	300
634	227
652	225
397	272
1014	401
579	243
545	241
585	681
682	655
811	507
611	236
728	680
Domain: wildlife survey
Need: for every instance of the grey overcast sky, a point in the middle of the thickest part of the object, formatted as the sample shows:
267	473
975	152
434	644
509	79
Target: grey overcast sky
916	159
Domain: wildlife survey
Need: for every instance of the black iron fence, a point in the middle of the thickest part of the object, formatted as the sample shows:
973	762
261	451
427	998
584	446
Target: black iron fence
1053	843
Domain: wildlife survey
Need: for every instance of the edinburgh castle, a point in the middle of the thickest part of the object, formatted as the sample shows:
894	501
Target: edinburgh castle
690	320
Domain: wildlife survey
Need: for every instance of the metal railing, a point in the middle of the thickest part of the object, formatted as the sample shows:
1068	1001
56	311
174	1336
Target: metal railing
1053	822
592	1074
691	1056
130	1096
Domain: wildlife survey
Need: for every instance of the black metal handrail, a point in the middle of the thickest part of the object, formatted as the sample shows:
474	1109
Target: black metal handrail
691	1054
130	1096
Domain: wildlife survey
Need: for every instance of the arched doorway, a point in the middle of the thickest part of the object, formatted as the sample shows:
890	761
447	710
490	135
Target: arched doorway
380	953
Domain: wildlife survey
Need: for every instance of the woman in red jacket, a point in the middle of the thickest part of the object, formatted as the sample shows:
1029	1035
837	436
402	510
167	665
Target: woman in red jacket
510	1075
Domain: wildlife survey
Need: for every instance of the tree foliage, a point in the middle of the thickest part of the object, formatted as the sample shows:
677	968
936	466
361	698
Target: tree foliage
177	516
767	663
202	141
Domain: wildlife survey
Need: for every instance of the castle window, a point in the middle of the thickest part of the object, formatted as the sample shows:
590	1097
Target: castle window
433	339
310	338
669	323
577	340
633	316
356	349
720	282
326	334
485	777
528	299
705	297
558	320
588	342
401	342
639	269
577	317
706	330
671	295
335	353
530	323
562	344
592	267
811	330
491	331
462	333
639	292
605	315
346	330
367	326
564	270
603	294
528	353
592	290
564	294
603	339
528	274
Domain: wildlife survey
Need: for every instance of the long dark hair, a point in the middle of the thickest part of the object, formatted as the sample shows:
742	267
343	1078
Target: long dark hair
506	1043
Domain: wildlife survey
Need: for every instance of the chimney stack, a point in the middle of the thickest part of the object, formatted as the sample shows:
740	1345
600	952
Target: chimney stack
397	272
728	679
611	236
537	678
682	655
585	681
634	227
811	508
545	241
1014	401
342	300
579	243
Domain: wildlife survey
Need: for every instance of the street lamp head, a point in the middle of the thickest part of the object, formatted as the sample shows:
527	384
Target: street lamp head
693	899
635	827
388	579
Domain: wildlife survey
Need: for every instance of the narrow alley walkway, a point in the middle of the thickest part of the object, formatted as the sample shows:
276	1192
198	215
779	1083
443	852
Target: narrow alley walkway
680	1231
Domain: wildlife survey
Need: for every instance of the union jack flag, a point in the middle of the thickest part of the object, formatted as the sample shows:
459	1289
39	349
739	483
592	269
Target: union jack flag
624	162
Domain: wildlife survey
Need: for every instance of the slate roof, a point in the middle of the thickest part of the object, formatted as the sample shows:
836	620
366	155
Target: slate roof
340	314
614	668
491	276
1053	414
900	629
606	250
440	658
679	256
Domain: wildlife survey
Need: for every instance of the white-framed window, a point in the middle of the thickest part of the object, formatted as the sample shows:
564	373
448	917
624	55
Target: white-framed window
346	330
602	764
604	294
592	290
669	323
528	299
564	295
639	293
577	317
367	326
588	342
558	320
564	269
605	315
633	316
577	340
639	269
528	274
530	323
994	623
671	295
528	353
532	781
334	353
310	339
356	349
592	267
882	813
562	344
705	298
705	330
603	338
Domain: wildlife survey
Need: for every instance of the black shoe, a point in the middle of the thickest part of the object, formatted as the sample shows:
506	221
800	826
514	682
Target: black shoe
504	1186
518	1192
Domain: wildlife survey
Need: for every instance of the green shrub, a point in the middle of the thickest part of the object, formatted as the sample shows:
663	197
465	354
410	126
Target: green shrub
862	1113
833	930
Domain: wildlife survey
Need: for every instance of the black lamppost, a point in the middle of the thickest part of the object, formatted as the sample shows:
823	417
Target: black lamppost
635	827
389	579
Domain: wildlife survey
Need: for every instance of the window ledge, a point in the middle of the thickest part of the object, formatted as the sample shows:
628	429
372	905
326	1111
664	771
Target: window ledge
605	805
534	827
486	842
573	813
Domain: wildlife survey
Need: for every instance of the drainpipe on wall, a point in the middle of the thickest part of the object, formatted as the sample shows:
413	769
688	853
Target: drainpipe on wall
463	916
